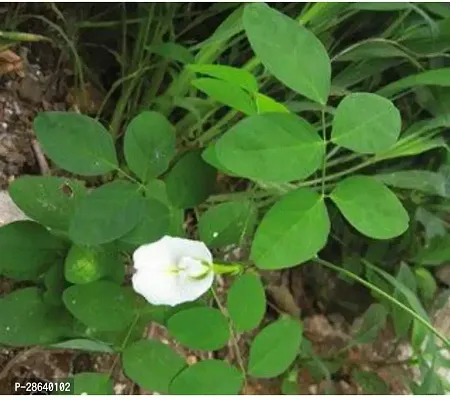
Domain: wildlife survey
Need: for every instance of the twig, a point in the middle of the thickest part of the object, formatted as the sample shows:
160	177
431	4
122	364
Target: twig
40	158
17	359
22	356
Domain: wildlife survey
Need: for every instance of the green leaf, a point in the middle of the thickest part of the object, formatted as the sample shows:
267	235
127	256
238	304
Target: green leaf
429	182
84	345
210	156
282	45
208	377
402	320
227	223
227	93
434	225
92	383
153	225
370	207
434	77
26	320
106	214
190	181
431	383
290	385
172	51
238	76
200	328
369	49
275	348
357	72
373	320
54	283
412	147
246	302
100	305
280	238
48	200
436	253
265	104
76	142
27	250
420	326
370	382
149	144
366	123
88	264
157	189
277	147
426	284
151	364
381	6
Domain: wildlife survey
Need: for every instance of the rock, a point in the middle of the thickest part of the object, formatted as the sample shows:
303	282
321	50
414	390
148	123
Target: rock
9	212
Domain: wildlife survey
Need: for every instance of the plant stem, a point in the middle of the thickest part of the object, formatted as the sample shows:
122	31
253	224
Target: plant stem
385	295
124	343
234	341
324	137
338	174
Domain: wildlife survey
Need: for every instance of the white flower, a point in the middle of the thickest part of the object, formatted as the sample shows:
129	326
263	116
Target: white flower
172	271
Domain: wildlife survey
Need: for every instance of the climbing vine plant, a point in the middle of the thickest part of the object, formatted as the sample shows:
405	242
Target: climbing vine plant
80	238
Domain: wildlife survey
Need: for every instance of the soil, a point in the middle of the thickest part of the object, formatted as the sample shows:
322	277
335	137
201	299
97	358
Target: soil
39	84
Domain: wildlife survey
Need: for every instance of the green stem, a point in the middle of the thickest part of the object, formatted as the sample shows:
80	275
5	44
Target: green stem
385	295
232	269
234	341
124	344
324	165
338	174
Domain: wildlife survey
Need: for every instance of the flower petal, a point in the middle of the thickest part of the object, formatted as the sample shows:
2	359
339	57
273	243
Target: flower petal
170	289
180	247
156	256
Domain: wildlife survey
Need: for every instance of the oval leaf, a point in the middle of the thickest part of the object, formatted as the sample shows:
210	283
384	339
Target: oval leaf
190	181
370	207
26	320
200	328
76	142
366	123
208	377
292	231
27	250
100	305
149	144
289	51
227	223
277	147
275	348
238	76
109	212
151	364
246	302
92	383
436	253
48	200
88	264
154	224
227	93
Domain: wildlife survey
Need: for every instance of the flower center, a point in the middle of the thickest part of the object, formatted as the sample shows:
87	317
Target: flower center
191	268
